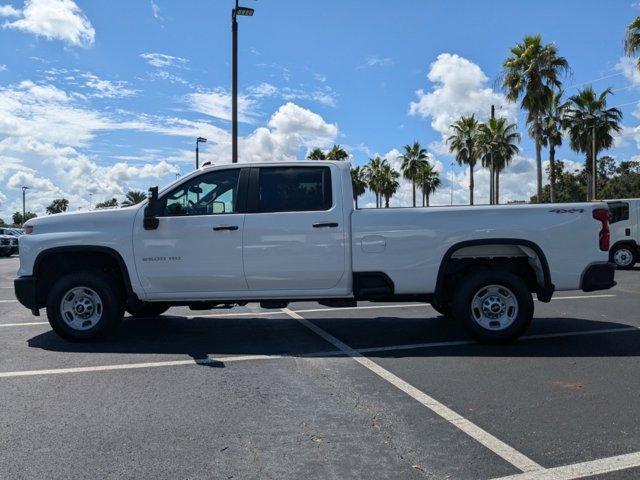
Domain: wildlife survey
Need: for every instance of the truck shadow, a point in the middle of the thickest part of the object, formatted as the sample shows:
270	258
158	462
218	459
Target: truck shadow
212	337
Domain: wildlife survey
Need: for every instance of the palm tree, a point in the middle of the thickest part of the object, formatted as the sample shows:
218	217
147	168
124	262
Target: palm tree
632	39
388	182
107	204
337	153
413	158
499	142
133	197
591	124
551	135
464	142
373	177
428	181
532	73
59	205
358	182
316	154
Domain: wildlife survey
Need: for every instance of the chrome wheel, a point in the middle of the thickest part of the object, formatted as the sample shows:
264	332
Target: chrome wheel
81	308
494	307
623	257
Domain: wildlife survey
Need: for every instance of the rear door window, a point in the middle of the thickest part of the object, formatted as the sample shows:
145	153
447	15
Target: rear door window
294	189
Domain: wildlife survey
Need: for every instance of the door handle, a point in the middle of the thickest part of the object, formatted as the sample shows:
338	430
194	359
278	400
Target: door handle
218	228
325	224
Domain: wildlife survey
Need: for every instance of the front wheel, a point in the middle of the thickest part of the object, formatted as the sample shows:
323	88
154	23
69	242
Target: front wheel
624	256
84	306
495	307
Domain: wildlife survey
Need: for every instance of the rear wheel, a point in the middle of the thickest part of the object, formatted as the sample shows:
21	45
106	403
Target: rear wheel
147	309
624	256
495	307
84	306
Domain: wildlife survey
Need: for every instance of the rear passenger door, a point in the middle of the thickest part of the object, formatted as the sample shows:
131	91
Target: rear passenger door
294	234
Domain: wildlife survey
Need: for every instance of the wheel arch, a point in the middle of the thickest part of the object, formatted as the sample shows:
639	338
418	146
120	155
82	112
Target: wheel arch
57	255
482	249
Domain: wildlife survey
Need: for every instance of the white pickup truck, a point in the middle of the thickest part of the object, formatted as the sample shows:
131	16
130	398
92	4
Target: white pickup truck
280	232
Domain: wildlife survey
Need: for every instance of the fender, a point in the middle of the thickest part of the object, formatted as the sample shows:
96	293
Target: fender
90	249
547	289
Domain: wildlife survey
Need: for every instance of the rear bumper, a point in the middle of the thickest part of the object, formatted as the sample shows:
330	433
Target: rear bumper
598	276
25	288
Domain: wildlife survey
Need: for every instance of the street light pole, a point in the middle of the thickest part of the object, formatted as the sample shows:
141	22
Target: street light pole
492	182
451	189
199	140
24	210
594	172
234	86
234	76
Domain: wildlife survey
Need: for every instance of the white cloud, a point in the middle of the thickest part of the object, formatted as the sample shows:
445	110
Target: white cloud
3	67
9	11
217	103
324	95
289	133
376	61
263	89
55	19
161	60
629	68
106	88
155	10
460	89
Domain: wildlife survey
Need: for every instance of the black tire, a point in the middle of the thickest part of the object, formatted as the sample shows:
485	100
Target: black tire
624	256
147	309
462	306
111	306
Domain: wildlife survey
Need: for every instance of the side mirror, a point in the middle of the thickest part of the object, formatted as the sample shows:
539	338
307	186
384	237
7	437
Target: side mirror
151	211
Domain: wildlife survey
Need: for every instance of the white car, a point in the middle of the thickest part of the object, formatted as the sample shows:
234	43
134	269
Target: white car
287	231
625	232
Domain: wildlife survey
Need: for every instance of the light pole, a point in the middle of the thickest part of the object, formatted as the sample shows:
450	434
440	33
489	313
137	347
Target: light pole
594	117
24	210
247	12
451	189
492	182
90	201
199	140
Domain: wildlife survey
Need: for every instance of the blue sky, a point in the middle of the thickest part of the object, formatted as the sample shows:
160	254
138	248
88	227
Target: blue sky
101	97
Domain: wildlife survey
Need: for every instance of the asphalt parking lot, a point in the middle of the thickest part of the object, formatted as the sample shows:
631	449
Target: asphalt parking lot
376	392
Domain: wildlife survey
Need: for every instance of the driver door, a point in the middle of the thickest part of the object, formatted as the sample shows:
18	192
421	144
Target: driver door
196	251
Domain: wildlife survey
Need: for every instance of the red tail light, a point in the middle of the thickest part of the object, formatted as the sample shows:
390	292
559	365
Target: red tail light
603	215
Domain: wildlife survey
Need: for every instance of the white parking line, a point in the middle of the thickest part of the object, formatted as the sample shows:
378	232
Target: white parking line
22	324
508	453
8	301
129	366
582	470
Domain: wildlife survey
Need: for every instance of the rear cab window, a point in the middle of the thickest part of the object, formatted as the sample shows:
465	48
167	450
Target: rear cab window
619	211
